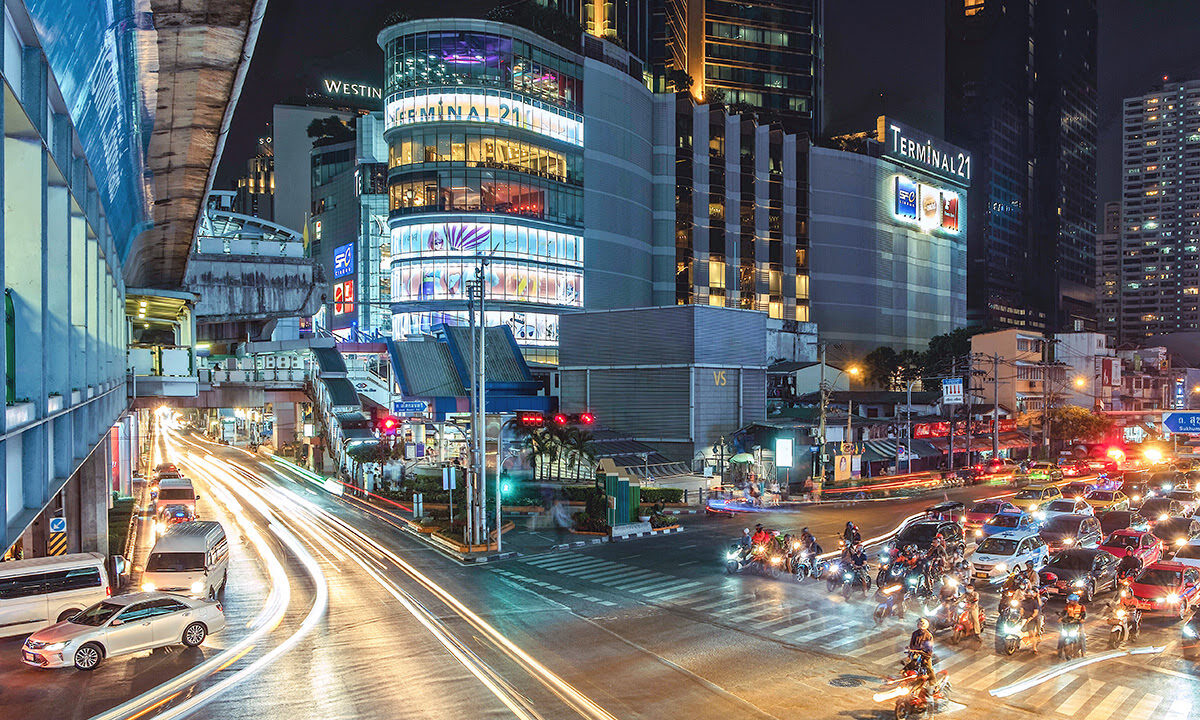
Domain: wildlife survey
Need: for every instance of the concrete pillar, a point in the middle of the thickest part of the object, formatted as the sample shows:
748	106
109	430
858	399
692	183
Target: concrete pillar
72	506
94	498
284	429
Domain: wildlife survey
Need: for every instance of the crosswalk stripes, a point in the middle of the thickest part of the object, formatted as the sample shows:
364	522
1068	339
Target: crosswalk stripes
1079	695
672	591
1111	706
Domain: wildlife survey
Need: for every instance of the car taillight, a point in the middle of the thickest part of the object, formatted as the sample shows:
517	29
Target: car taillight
220	607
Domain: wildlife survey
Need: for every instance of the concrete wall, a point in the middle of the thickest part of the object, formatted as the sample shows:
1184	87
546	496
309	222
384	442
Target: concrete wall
876	280
61	269
253	288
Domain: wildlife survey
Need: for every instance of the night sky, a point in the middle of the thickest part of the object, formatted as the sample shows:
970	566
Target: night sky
882	57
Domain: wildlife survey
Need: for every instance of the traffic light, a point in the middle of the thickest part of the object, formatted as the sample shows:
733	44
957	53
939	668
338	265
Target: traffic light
530	419
560	419
586	418
388	425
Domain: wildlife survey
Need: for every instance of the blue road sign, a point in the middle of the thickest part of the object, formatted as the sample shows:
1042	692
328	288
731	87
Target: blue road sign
409	407
58	525
1183	423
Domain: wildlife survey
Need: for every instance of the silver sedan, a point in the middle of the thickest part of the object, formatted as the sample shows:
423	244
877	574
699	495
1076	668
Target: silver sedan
121	625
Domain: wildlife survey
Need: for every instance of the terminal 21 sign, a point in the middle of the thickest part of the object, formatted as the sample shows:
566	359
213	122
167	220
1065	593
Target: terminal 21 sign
919	151
933	209
499	108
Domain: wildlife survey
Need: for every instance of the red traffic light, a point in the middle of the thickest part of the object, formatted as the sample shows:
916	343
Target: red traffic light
560	419
531	419
388	425
586	418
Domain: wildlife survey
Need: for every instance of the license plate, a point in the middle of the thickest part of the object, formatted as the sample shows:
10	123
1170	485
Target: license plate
981	575
29	656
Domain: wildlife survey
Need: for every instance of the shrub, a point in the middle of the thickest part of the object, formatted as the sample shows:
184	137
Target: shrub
659	520
667	495
587	523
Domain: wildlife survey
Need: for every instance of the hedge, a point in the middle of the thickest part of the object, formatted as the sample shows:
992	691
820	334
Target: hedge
118	524
667	495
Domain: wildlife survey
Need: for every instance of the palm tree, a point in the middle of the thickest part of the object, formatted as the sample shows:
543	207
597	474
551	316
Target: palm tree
580	447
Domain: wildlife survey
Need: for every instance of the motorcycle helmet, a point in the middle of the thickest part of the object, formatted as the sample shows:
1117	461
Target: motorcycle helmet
758	527
923	624
1073	597
849	525
745	531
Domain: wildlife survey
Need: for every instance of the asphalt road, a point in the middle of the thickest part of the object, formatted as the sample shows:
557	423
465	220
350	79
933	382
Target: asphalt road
648	628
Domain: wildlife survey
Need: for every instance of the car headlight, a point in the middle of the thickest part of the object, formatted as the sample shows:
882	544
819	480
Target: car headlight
1121	613
1173	598
835	567
848	576
775	560
149	587
1001	567
1033	507
978	533
1068	541
54	647
1080	583
197	587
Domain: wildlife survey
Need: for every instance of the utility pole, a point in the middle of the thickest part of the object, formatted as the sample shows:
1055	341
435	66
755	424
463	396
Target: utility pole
820	480
953	371
995	406
474	442
481	375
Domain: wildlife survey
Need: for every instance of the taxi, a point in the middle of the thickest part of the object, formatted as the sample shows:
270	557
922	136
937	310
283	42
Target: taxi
1035	496
1167	587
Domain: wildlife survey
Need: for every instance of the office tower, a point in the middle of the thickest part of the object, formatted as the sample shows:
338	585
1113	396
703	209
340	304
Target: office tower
1021	97
761	54
256	191
1161	210
1108	274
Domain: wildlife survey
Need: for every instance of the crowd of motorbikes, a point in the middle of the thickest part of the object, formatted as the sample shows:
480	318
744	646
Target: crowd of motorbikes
935	585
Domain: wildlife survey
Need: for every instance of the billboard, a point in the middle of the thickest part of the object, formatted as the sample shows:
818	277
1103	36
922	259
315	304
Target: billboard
343	260
950	212
343	297
921	151
496	107
931	207
906	198
440	279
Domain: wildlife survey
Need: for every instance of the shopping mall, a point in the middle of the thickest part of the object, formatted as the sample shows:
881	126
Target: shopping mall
487	129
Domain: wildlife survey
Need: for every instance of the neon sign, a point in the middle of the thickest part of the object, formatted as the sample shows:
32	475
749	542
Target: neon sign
932	209
920	151
500	108
343	260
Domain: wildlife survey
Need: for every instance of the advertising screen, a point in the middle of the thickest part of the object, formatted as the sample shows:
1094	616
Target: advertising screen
343	260
506	282
950	212
906	198
931	206
343	298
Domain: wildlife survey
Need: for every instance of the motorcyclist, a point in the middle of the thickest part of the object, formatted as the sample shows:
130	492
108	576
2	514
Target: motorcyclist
1130	564
1031	614
851	535
1127	602
857	559
810	542
921	643
1074	613
760	537
745	541
971	598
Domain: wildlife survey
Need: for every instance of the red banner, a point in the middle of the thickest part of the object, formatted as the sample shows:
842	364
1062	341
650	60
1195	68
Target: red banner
942	429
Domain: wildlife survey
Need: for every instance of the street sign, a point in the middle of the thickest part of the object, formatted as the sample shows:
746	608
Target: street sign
952	391
449	479
1183	423
58	525
409	407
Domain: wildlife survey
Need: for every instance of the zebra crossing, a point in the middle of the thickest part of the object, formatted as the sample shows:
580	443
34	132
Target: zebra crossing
807	616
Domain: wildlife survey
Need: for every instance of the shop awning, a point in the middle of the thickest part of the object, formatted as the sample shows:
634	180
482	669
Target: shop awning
876	450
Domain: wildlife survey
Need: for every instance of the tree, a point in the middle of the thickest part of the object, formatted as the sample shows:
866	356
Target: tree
880	367
329	131
911	366
580	448
380	452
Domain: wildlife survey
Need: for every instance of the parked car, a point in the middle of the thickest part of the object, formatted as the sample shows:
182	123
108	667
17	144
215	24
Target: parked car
1004	552
1000	466
1108	500
1063	506
1086	571
121	625
1175	532
1063	532
1189	554
35	593
1006	521
1044	471
1114	520
1077	489
1167	587
982	511
1142	543
1034	496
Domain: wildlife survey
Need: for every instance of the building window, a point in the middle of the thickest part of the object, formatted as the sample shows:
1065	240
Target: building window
972	7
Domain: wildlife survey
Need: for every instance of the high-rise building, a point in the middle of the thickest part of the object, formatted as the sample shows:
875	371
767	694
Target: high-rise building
256	191
740	198
765	54
1021	97
1108	274
292	158
1160	291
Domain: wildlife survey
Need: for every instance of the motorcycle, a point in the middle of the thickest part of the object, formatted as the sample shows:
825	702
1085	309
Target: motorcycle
1011	633
737	558
1123	626
914	697
1070	640
855	578
963	627
891	600
833	576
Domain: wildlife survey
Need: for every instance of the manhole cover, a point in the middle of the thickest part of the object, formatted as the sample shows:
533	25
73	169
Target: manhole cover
848	681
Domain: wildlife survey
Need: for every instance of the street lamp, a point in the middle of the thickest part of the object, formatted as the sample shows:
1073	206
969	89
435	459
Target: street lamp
1080	383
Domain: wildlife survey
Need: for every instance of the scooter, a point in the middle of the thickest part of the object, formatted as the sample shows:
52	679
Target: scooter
1123	626
854	578
891	600
737	558
963	627
914	697
1010	630
1070	639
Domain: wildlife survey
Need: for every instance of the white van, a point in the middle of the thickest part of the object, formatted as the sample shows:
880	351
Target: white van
190	558
43	591
175	491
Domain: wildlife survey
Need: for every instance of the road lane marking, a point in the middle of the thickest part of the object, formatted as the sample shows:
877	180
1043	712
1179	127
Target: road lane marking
1079	698
1111	706
672	590
1144	710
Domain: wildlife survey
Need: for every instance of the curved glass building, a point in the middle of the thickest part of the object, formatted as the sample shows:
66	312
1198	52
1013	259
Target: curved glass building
484	125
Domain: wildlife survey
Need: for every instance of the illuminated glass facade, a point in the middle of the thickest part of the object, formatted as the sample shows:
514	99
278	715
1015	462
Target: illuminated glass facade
485	132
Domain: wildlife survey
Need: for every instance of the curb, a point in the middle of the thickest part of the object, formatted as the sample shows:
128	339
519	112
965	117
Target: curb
660	531
578	543
492	558
681	512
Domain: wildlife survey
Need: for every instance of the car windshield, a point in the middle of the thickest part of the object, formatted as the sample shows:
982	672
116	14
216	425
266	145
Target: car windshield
1063	524
1029	495
1011	521
175	562
1061	506
1185	495
176	494
1101	496
1071	561
1159	577
1125	541
919	534
988	508
97	614
1188	552
998	546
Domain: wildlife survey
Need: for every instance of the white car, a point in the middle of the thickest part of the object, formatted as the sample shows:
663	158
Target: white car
1063	506
1189	554
1003	552
121	625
